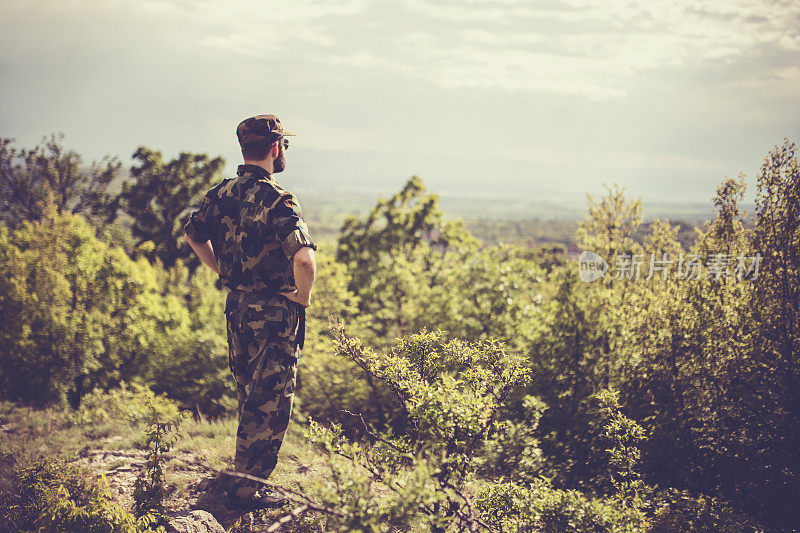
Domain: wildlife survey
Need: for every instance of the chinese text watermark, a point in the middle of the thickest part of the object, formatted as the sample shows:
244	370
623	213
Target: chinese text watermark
592	266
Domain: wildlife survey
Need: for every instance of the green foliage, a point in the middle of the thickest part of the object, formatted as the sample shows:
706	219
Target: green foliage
513	451
328	383
495	292
539	507
623	437
679	511
403	223
55	496
488	370
774	419
777	238
372	488
149	489
409	270
160	194
610	224
450	393
394	257
133	404
77	313
190	360
700	381
583	347
48	173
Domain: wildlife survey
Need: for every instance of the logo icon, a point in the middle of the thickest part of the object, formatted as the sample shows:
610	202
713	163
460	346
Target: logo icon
591	266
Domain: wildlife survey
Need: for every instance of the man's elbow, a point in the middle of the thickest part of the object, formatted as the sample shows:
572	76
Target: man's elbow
307	264
304	258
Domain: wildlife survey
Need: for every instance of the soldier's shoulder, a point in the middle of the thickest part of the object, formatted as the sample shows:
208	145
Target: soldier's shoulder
215	191
268	193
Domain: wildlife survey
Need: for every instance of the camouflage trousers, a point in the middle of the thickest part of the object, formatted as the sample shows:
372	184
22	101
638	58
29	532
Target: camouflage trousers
262	354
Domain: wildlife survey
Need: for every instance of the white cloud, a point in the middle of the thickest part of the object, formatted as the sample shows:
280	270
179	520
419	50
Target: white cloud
573	89
587	48
580	48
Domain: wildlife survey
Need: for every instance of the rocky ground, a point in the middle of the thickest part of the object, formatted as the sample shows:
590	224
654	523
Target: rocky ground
194	484
195	487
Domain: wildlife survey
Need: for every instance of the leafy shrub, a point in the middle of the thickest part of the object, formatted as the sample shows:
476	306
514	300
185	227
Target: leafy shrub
513	451
133	403
539	507
77	314
620	438
679	511
55	496
450	393
190	362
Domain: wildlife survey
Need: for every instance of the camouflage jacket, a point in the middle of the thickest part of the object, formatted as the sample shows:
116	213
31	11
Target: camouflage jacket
255	227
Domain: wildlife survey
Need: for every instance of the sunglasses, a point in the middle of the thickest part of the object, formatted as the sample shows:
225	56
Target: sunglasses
285	143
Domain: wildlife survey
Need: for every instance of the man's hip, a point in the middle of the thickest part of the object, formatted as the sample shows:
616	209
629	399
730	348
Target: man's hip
258	323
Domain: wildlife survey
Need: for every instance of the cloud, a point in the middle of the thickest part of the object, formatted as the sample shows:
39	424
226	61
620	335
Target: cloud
592	48
573	90
568	47
573	48
579	48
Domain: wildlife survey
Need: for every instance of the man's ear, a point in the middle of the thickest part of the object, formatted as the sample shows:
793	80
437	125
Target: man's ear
273	151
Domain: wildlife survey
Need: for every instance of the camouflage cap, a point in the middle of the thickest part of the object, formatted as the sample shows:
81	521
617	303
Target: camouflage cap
259	132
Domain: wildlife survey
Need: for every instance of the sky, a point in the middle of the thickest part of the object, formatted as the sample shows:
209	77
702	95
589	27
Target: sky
540	101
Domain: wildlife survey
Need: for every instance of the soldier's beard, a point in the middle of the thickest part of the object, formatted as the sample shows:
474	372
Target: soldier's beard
280	162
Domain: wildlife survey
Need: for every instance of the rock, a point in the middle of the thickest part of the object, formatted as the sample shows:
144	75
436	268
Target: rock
195	522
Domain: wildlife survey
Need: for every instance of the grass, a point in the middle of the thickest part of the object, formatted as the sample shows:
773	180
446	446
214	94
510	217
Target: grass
30	433
215	439
203	448
27	434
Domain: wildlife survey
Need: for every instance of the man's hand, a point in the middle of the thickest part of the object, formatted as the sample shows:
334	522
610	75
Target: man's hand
295	298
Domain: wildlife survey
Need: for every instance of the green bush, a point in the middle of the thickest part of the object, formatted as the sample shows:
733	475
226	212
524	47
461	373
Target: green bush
513	451
450	392
539	507
54	496
190	362
76	313
679	511
128	402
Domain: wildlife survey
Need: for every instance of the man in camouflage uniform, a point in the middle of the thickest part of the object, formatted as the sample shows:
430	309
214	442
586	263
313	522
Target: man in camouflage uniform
250	230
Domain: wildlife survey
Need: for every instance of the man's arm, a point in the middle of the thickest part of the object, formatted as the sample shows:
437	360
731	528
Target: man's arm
204	251
297	245
305	270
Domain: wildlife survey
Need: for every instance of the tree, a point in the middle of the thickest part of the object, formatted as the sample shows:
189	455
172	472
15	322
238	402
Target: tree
610	224
75	312
160	195
777	240
29	177
777	306
706	378
453	393
585	346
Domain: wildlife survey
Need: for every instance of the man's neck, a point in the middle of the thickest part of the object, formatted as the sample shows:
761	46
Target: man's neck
266	165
